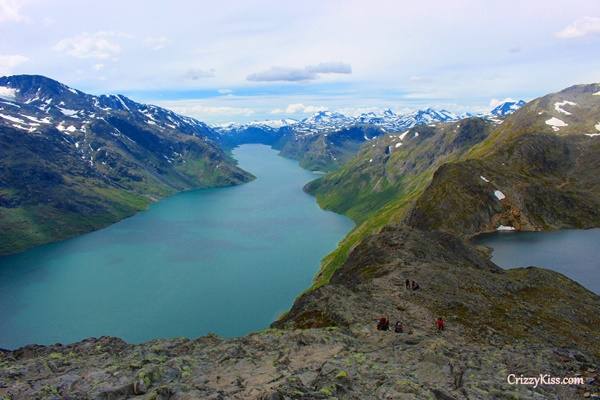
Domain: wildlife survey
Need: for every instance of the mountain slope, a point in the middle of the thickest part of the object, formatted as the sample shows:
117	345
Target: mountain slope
380	184
532	173
71	162
385	167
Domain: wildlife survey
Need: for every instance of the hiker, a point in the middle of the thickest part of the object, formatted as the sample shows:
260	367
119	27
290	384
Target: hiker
398	327
415	286
407	284
383	324
439	324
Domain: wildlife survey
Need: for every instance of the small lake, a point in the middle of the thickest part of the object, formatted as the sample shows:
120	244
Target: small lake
226	260
574	253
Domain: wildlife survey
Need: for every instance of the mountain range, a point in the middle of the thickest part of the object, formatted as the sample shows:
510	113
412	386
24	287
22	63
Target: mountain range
326	140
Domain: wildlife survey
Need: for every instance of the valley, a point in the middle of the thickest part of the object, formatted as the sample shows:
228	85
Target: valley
419	194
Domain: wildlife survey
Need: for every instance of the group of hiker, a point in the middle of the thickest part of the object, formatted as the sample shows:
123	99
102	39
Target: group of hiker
383	323
411	285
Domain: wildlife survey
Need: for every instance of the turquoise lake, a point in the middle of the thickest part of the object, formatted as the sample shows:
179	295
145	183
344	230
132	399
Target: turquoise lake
573	253
226	260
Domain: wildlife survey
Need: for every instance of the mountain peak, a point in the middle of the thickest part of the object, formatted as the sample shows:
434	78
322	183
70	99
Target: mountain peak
507	107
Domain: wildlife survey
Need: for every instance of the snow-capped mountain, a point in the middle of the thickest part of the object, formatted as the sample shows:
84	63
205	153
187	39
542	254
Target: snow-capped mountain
31	103
73	162
389	121
506	108
269	124
322	122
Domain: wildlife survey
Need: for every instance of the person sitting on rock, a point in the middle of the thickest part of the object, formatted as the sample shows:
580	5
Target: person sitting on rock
383	324
440	324
398	327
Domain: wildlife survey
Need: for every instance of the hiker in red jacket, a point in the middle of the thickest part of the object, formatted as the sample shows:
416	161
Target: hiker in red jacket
439	324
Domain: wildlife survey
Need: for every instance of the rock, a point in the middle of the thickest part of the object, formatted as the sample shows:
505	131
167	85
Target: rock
139	387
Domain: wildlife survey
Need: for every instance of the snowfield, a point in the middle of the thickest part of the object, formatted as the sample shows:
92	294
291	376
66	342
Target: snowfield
556	123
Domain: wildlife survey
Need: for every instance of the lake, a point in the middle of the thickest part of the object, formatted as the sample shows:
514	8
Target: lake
226	260
574	253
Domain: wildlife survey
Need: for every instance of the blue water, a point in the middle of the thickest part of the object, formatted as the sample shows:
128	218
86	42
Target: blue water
574	253
227	261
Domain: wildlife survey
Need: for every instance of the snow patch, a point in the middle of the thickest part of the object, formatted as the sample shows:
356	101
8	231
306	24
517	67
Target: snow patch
483	178
499	195
67	112
592	134
39	121
122	102
403	135
555	123
398	144
559	104
12	119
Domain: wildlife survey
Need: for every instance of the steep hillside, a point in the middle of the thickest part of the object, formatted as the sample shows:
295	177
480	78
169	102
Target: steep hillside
395	164
71	162
532	173
380	184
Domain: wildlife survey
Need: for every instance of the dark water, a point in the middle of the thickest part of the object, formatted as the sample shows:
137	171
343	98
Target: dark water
220	260
574	253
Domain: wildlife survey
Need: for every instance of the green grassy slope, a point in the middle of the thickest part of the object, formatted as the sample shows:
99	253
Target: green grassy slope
379	186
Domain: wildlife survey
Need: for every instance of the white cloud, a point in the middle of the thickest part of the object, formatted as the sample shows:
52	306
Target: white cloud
98	45
156	42
495	102
581	27
330	68
225	91
198	73
298	108
201	110
10	10
98	67
9	61
308	73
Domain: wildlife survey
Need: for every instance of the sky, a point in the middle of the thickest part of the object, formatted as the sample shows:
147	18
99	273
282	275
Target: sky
266	59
